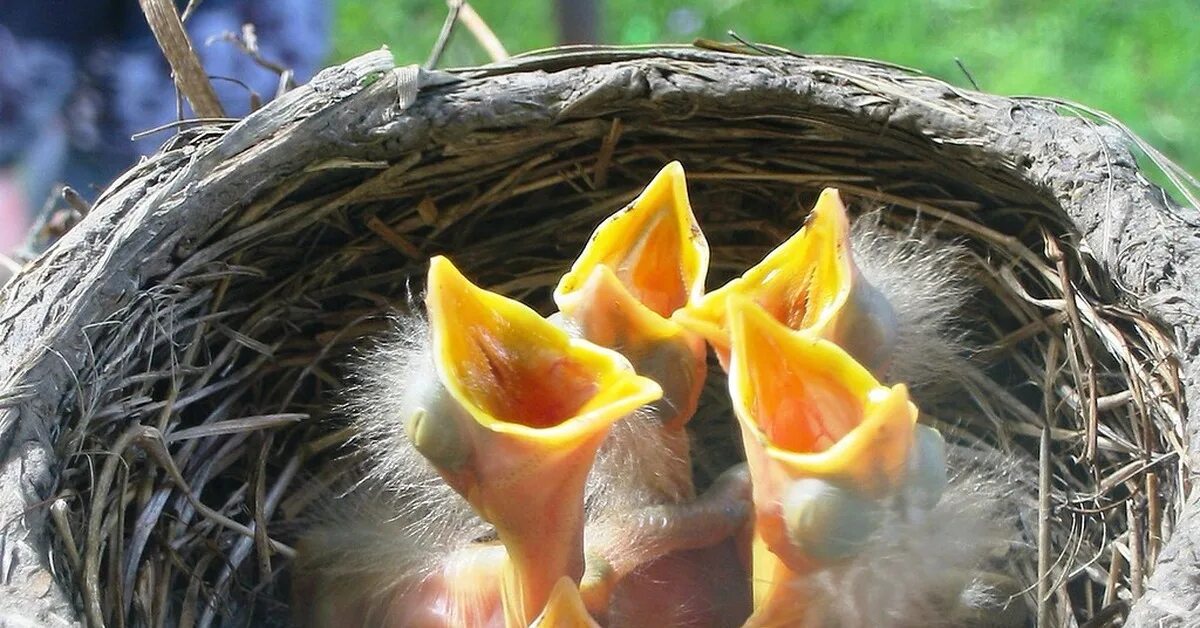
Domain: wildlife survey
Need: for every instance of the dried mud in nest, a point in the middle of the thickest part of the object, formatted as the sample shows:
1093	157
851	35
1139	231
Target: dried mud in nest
204	423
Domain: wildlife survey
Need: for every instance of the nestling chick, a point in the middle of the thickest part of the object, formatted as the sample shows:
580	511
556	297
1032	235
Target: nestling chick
523	410
656	555
838	478
511	422
642	265
824	442
854	522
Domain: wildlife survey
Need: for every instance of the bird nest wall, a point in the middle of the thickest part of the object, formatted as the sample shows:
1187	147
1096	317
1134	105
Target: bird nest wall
172	368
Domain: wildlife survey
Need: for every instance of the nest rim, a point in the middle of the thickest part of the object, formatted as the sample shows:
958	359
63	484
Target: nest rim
406	107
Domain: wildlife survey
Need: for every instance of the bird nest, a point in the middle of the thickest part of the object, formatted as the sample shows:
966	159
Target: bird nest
173	368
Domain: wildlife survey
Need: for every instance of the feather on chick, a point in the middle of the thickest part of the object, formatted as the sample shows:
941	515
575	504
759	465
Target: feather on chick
379	539
925	280
390	383
934	568
941	568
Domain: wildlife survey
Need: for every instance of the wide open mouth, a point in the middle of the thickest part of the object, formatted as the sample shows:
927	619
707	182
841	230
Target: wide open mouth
802	394
535	386
653	246
802	283
508	365
810	409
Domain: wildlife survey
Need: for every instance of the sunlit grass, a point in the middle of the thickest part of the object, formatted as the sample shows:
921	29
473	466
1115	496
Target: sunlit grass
1138	61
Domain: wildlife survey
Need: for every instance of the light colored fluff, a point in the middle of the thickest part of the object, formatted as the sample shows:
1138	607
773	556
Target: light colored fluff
402	508
369	555
925	280
370	535
634	467
935	568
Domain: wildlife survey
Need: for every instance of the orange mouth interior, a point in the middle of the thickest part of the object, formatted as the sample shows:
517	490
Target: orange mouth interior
651	270
794	303
517	383
802	283
653	247
798	408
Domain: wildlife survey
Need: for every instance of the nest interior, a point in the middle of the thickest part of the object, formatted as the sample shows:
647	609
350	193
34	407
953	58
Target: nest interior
231	277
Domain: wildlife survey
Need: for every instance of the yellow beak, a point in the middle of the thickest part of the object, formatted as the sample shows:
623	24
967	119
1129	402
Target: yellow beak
640	266
653	245
823	439
807	283
564	609
517	424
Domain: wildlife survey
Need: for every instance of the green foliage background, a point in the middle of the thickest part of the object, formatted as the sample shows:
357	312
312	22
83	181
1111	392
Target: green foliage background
1140	61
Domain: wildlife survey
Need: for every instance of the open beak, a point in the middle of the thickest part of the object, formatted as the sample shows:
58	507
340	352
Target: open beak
809	282
823	440
654	246
564	609
641	265
516	428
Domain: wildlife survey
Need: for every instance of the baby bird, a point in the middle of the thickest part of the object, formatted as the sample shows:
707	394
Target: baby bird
642	265
511	422
523	410
655	551
483	427
824	442
809	283
847	486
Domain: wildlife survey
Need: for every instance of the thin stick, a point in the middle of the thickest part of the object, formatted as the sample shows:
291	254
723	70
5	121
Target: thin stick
397	241
58	514
191	7
604	158
1054	252
1114	577
1136	569
1044	473
443	38
482	33
189	75
1154	518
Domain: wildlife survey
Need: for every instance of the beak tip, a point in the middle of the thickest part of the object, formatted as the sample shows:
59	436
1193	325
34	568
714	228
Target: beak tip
439	265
